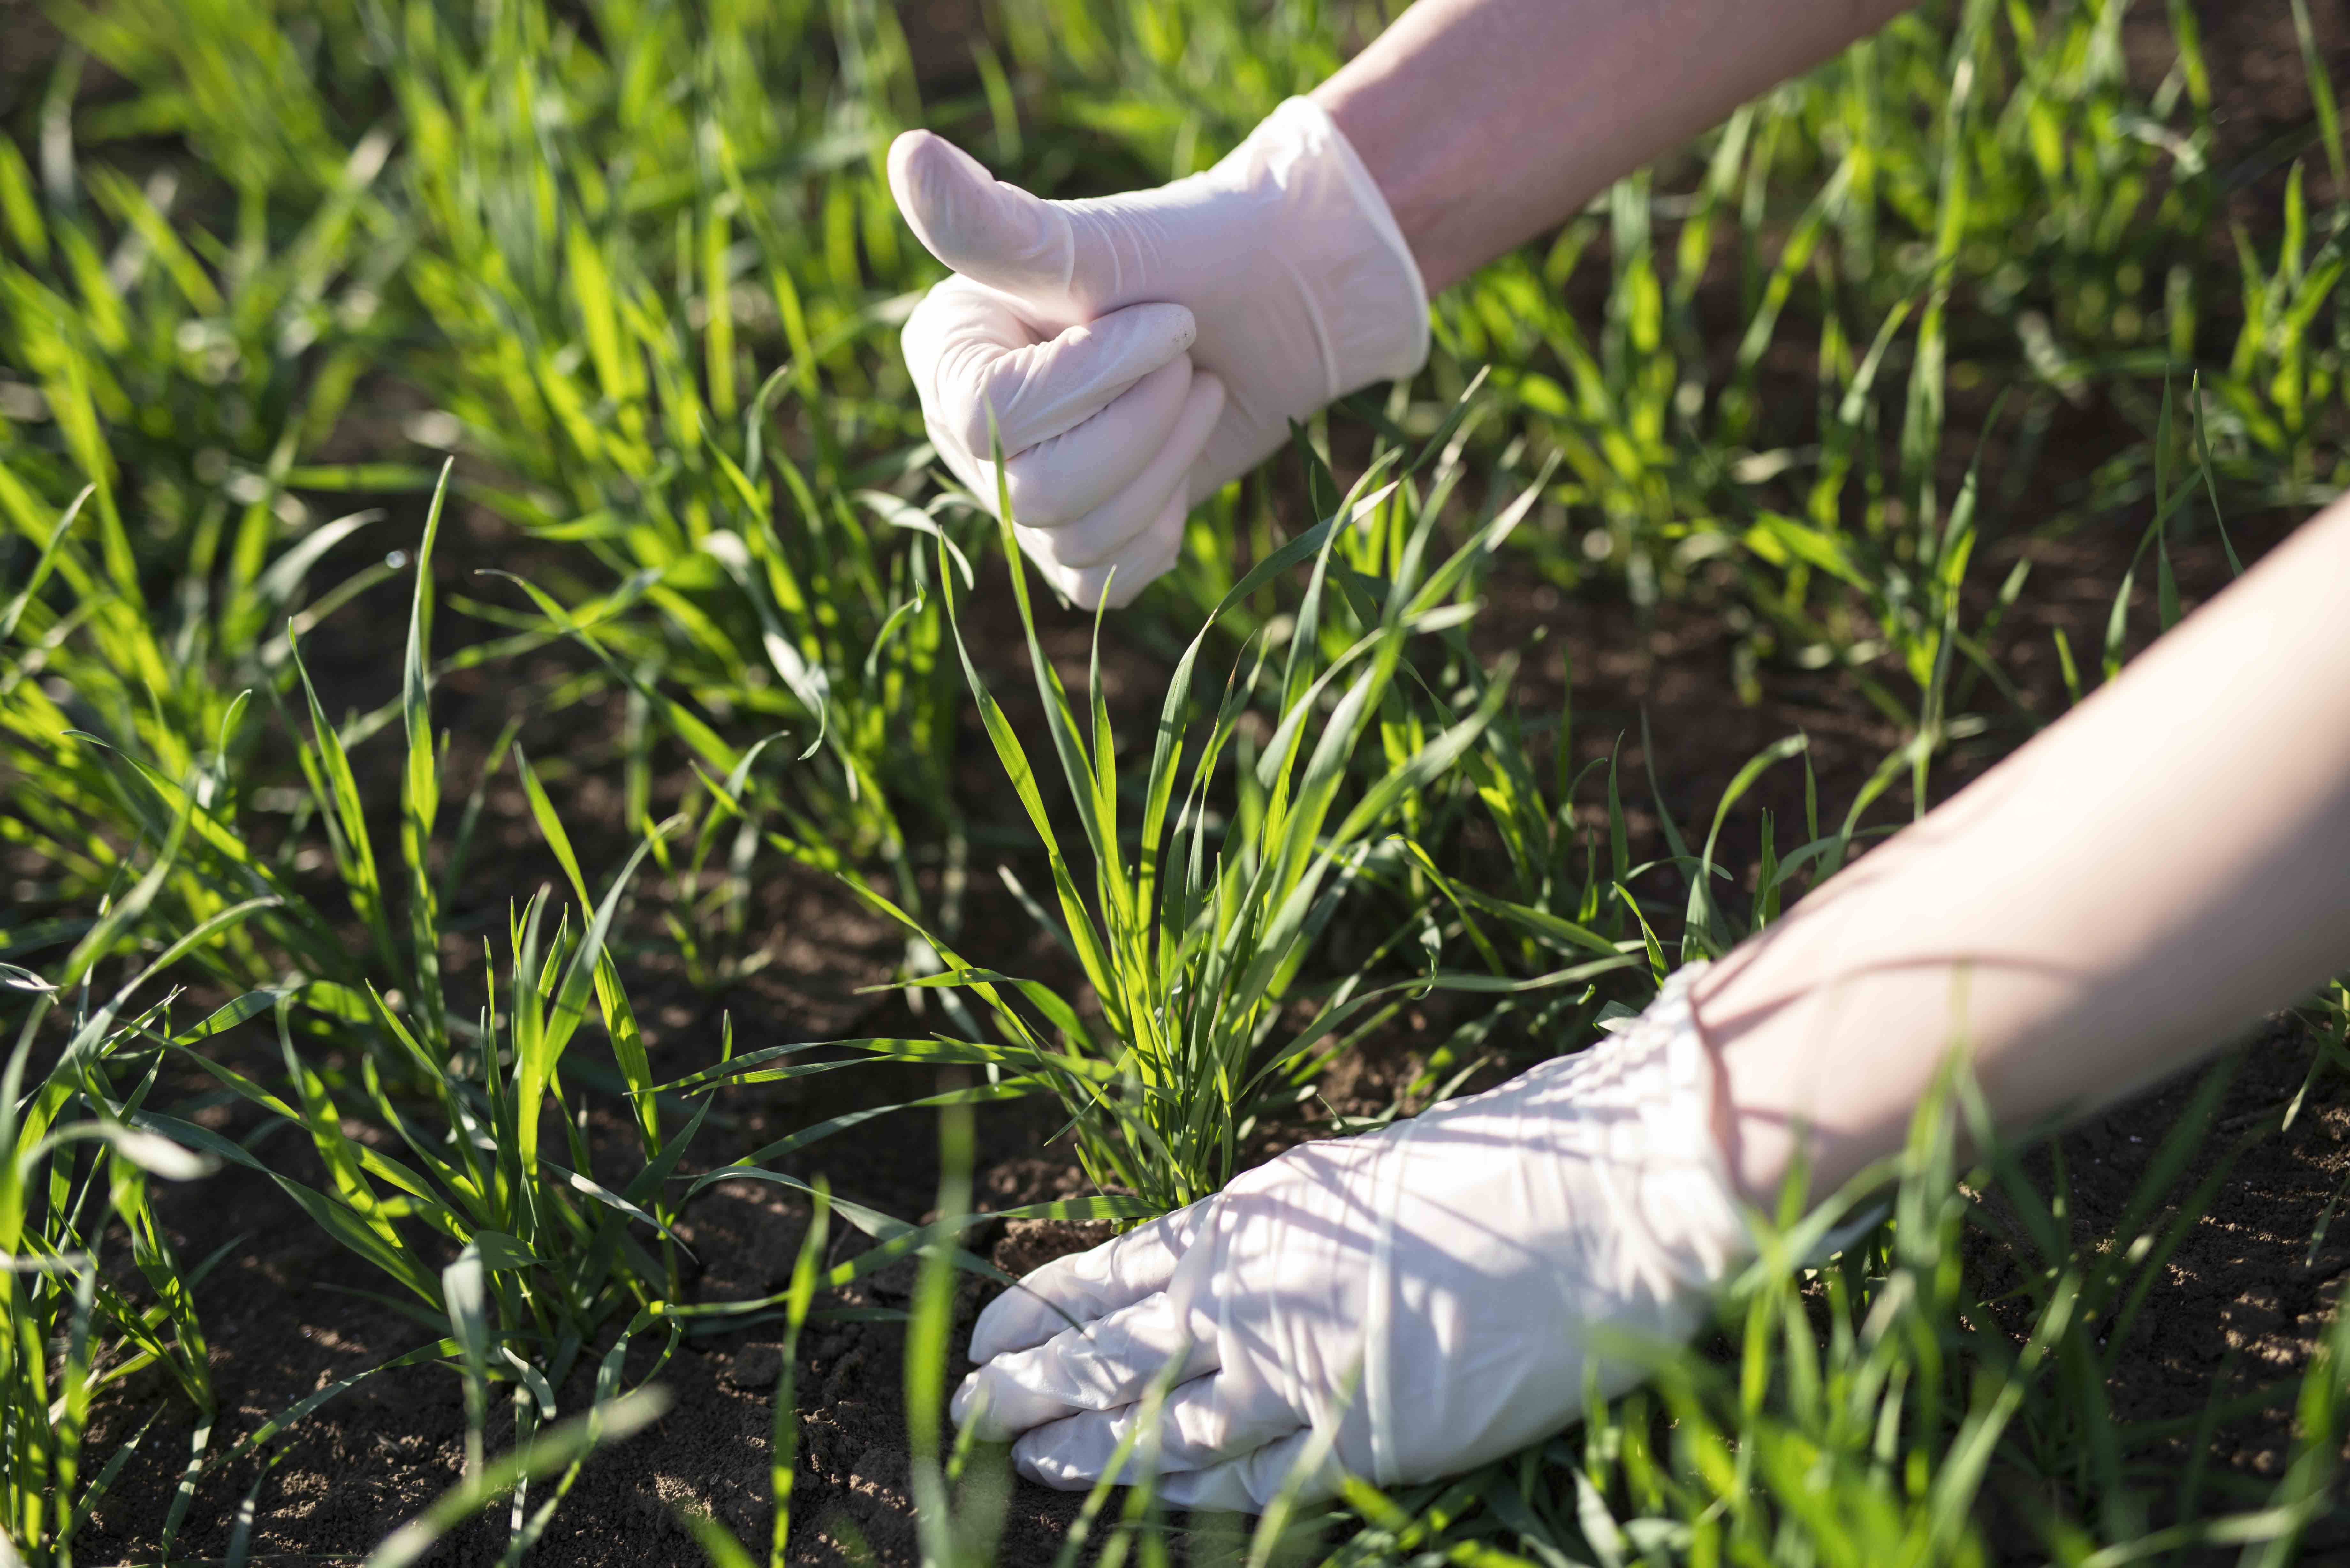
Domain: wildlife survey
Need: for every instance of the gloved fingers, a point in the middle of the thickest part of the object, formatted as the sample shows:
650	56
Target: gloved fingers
1102	535
966	469
1058	481
1119	581
1112	553
1249	1483
977	225
971	355
1107	1364
1202	1423
1086	1285
1002	1409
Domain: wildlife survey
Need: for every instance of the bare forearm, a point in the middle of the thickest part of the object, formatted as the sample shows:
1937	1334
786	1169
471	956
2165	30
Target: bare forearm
2162	866
1486	121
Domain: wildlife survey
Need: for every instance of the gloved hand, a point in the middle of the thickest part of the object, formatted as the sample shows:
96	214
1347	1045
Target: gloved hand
1140	350
1433	1290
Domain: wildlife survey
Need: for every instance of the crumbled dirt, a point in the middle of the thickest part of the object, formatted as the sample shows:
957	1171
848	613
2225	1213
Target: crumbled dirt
285	1319
2238	1303
283	1323
2235	1310
2254	1282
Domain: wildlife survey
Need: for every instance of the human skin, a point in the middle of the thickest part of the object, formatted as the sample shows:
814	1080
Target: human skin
2160	867
1486	121
2164	864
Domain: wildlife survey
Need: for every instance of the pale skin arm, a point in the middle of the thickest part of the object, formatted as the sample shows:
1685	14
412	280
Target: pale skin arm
2163	865
1486	121
2159	868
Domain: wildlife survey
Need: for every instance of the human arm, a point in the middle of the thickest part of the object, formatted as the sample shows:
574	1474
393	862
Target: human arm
2227	746
1137	351
1486	121
2161	865
2166	863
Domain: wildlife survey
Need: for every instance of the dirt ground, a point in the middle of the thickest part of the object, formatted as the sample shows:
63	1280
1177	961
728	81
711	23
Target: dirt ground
284	1320
2241	1302
2252	1284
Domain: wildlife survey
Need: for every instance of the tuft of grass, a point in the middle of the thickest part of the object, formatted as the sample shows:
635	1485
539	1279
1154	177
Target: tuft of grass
75	1163
1823	374
1202	917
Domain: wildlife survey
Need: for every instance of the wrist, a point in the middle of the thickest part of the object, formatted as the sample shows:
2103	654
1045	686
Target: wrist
1414	205
1344	243
1649	1095
1757	1139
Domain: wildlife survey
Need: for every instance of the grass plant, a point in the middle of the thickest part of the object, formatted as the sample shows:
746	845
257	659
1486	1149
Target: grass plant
75	1167
1203	916
605	293
592	281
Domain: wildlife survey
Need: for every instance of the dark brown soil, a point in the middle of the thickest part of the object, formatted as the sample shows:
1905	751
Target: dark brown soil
283	1323
2234	1312
2239	1302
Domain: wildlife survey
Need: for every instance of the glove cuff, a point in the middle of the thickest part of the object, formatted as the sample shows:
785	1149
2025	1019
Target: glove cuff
1686	1190
1617	1181
1342	240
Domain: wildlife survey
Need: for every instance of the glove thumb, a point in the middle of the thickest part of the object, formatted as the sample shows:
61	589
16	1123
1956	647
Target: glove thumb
992	233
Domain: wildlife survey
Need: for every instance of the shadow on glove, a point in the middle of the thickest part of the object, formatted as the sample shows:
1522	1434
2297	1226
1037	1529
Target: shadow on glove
1435	1295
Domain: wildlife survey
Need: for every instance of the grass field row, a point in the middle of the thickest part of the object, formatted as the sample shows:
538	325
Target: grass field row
405	403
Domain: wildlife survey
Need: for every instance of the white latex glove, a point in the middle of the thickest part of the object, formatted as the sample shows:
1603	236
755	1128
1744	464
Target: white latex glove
1140	350
1432	1292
